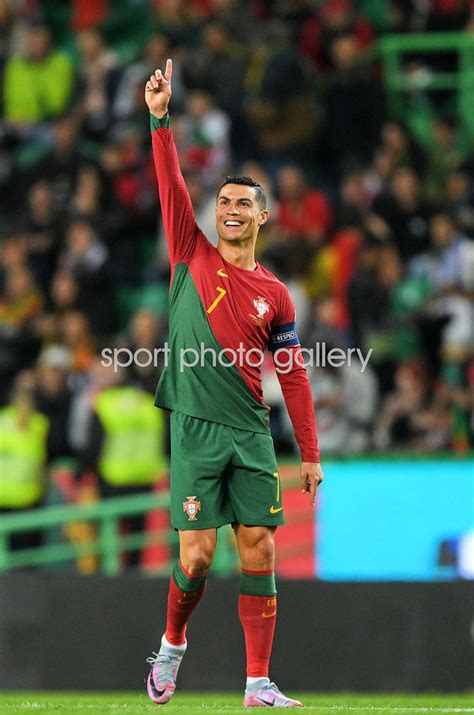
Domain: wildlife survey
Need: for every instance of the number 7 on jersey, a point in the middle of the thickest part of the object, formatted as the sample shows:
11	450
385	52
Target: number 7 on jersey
222	292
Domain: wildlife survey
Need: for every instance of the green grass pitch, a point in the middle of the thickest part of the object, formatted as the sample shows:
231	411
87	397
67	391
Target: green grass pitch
230	704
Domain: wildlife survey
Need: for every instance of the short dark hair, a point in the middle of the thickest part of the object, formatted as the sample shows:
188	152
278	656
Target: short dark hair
246	181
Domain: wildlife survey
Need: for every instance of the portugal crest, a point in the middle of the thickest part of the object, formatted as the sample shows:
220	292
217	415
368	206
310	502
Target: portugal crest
191	507
262	307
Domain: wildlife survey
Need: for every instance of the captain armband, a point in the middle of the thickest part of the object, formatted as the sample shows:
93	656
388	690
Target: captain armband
283	336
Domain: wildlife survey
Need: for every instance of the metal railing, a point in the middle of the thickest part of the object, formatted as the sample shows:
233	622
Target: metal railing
392	50
108	543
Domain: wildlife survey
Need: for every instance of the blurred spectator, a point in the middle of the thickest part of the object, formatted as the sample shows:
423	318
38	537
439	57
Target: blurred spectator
217	68
321	325
366	296
459	198
336	18
92	200
13	255
76	336
130	172
38	83
302	220
448	267
402	148
23	459
448	15
66	296
379	174
99	73
345	399
409	419
403	15
87	200
88	14
332	271
448	152
406	213
84	258
12	32
64	293
142	339
204	205
202	135
39	232
20	301
62	164
301	212
238	17
354	199
355	106
280	106
53	397
84	254
94	380
180	20
437	15
125	447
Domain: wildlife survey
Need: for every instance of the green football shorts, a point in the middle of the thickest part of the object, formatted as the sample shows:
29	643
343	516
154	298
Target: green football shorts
222	475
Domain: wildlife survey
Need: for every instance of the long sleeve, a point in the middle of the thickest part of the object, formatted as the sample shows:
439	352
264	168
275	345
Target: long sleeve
296	390
182	233
293	379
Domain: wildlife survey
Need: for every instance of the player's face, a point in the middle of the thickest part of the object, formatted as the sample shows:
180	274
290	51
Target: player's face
238	214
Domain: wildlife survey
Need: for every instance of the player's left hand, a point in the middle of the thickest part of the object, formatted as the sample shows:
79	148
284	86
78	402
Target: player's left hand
311	478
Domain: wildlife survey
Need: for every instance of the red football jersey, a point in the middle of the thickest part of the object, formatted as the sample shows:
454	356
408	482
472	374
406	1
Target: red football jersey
247	312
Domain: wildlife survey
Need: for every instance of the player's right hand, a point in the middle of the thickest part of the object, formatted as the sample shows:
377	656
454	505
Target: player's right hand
158	91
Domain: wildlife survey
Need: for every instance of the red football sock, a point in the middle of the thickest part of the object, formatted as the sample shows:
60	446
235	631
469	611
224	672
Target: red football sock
258	617
181	603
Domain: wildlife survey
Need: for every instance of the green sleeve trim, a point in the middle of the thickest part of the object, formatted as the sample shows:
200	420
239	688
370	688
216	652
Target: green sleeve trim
156	122
257	585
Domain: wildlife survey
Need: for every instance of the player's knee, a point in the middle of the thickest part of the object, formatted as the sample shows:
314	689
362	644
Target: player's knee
198	558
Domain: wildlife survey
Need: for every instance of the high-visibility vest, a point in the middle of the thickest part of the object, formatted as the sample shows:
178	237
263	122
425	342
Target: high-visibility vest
132	452
23	453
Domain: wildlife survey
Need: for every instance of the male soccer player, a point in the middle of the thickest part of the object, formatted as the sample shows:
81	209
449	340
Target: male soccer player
223	465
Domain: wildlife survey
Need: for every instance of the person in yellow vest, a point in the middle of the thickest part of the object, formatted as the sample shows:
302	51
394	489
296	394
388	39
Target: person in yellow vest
126	446
23	459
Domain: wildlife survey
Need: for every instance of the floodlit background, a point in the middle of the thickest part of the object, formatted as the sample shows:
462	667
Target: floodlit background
357	117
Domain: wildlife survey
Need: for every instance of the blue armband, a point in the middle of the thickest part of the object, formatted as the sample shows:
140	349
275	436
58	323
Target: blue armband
283	336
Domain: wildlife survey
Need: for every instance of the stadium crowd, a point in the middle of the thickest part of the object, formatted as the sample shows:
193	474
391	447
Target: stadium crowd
371	228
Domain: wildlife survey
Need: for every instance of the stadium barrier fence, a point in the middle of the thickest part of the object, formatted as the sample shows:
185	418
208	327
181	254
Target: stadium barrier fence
109	544
402	85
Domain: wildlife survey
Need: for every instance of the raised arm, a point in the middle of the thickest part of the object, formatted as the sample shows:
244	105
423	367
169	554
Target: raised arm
182	233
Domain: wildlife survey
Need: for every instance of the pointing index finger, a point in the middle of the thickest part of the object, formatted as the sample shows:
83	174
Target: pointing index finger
168	70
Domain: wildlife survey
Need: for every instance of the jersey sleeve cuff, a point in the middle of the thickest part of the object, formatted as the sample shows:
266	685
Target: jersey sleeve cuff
157	123
311	456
